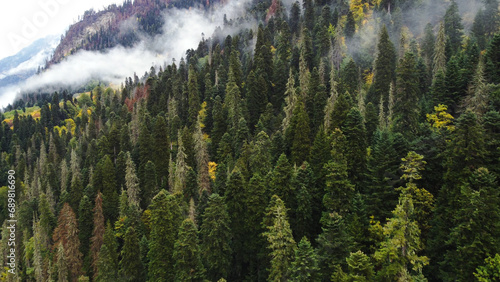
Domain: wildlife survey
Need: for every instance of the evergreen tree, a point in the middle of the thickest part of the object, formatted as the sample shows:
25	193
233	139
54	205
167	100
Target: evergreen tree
86	226
439	62
333	244
132	182
215	233
476	233
350	26
355	152
164	222
305	265
385	66
106	271
453	26
98	232
281	243
131	268
66	234
109	191
405	118
299	131
187	257
360	267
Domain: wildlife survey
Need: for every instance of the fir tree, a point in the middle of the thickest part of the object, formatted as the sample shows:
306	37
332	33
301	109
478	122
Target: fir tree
188	266
98	232
215	233
385	66
131	268
165	221
66	234
305	265
281	243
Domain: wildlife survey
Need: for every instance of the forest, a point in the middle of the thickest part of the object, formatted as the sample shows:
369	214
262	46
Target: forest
321	140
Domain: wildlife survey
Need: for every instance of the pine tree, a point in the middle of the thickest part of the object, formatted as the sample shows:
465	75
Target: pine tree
131	268
188	266
281	243
106	272
290	101
305	265
215	233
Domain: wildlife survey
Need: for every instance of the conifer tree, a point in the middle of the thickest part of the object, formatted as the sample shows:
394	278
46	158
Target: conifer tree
453	26
193	96
66	233
299	132
290	101
187	257
333	244
355	153
86	226
360	267
98	232
161	147
476	232
106	272
439	62
62	265
131	268
405	119
165	221
305	265
215	233
400	249
281	242
132	182
109	191
385	66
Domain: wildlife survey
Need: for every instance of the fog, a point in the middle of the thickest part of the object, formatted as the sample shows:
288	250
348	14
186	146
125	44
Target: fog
182	30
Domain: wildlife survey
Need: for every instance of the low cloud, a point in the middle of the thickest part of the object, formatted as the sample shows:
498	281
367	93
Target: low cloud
182	30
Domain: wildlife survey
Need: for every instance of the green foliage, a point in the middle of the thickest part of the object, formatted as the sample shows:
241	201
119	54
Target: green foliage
280	241
305	265
215	233
490	271
187	257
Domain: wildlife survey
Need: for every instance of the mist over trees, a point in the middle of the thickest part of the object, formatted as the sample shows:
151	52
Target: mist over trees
324	141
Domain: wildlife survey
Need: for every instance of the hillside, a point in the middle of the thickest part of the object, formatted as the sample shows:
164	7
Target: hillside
316	141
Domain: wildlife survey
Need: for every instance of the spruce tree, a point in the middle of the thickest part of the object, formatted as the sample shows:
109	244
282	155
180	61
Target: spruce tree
97	233
131	268
385	66
187	257
86	227
215	233
280	242
305	265
165	221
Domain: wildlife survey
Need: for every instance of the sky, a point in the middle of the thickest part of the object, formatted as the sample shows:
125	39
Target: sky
24	21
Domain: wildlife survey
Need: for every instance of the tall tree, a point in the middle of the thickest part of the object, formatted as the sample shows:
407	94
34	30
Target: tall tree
281	242
164	222
215	233
66	233
305	265
385	66
131	268
187	257
405	119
